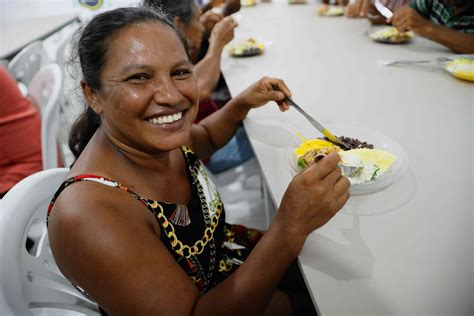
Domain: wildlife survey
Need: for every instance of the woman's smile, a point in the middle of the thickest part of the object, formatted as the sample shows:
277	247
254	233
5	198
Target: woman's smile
166	119
169	122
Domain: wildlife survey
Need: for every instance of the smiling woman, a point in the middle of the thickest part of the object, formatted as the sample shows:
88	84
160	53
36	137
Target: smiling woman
158	243
138	102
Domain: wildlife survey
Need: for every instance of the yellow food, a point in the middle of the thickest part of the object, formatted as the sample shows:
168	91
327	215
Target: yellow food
316	145
462	68
249	47
331	10
391	34
248	2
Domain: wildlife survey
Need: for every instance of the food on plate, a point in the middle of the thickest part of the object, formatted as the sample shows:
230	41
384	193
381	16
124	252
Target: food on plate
250	47
390	34
310	151
297	1
247	3
364	164
353	143
461	67
331	10
360	164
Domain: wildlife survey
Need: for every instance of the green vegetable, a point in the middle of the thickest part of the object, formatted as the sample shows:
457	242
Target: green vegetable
374	175
302	163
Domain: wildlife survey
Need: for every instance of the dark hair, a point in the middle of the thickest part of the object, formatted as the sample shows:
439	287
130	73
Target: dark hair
91	47
184	9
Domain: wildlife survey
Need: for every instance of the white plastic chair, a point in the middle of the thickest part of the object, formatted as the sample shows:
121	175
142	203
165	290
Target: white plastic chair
71	100
54	44
45	90
30	281
27	63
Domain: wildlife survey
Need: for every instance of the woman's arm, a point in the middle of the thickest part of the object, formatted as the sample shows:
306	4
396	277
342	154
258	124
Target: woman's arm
217	129
208	69
312	198
106	242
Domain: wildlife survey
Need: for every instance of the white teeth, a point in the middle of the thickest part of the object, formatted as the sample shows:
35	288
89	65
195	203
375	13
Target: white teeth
166	119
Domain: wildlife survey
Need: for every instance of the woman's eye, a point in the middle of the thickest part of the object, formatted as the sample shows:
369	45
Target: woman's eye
138	77
182	73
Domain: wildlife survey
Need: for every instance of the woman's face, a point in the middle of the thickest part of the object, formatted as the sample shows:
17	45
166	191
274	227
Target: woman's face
193	31
149	95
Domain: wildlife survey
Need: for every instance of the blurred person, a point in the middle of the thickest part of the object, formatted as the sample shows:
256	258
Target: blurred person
227	7
20	134
448	22
212	13
186	16
208	20
336	2
158	243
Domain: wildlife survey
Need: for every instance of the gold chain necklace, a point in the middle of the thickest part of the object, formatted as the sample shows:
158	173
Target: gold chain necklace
198	247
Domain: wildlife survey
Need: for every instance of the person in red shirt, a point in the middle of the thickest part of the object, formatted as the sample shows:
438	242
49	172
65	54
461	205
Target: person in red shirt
20	134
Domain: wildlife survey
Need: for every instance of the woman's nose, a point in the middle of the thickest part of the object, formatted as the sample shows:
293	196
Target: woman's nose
166	92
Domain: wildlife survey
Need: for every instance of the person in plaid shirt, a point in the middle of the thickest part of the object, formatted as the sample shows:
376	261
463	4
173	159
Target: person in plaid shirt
448	22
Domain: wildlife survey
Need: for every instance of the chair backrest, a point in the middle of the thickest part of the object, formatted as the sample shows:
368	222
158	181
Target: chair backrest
27	63
53	44
45	90
30	281
71	101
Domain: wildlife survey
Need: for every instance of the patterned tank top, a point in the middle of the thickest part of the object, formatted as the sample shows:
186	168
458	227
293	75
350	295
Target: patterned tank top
196	235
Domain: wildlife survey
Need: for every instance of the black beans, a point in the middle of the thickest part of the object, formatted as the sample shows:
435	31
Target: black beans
353	143
318	157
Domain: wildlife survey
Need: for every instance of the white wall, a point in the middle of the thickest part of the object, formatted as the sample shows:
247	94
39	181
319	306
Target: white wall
24	9
472	207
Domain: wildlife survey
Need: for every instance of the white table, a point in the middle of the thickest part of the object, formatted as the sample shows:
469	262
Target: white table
14	35
406	250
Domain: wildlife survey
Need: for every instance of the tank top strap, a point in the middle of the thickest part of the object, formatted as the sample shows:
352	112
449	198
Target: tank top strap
93	178
151	205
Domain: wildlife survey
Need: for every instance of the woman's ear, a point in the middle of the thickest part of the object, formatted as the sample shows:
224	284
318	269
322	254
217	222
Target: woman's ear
91	97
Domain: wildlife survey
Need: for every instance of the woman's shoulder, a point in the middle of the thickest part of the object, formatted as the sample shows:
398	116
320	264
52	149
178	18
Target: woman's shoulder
91	221
84	198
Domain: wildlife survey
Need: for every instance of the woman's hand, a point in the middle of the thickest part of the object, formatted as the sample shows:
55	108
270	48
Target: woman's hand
265	90
222	33
313	197
209	19
408	19
216	130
